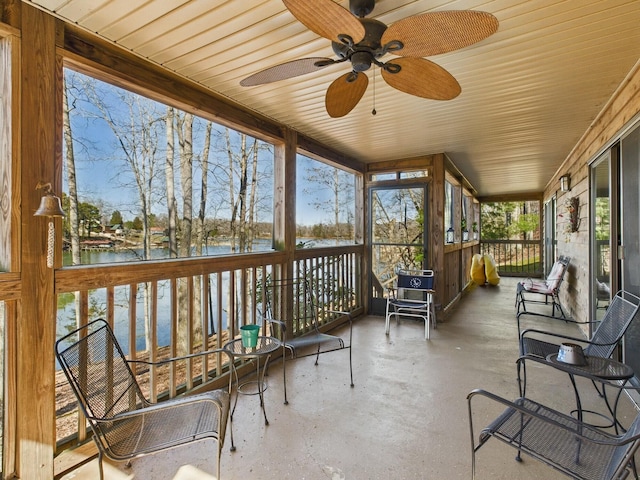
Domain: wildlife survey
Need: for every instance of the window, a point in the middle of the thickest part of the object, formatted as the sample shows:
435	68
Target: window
381	177
325	204
465	219
144	180
415	174
449	234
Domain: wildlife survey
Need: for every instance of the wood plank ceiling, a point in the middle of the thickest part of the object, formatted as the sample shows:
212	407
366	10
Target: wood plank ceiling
529	92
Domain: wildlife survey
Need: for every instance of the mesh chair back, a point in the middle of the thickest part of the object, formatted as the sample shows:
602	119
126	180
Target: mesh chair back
97	371
291	300
624	453
622	310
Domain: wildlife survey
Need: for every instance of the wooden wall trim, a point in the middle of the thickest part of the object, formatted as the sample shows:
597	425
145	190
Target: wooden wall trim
435	251
7	30
10	287
515	197
422	162
322	152
35	387
7	185
10	13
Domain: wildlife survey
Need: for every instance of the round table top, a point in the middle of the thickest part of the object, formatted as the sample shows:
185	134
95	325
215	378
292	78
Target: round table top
605	368
265	346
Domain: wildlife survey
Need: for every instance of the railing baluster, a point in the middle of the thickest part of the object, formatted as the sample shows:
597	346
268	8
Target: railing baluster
153	348
334	274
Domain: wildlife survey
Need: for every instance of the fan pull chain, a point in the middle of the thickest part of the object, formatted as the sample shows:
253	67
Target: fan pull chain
373	112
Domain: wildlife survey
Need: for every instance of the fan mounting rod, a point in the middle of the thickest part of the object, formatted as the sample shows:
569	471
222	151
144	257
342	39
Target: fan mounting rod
361	8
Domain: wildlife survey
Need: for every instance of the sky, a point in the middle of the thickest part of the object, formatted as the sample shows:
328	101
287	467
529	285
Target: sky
105	178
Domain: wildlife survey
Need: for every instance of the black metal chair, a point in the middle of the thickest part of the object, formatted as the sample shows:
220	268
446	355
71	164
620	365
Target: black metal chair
412	296
615	322
548	288
292	303
124	423
578	450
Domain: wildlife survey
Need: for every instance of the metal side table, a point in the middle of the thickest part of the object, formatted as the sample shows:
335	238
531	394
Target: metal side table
603	368
261	353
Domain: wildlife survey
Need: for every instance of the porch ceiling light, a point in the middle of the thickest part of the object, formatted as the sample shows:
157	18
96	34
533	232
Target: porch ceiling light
565	183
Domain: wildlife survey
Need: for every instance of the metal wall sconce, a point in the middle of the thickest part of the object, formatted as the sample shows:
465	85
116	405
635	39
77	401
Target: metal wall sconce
565	183
49	207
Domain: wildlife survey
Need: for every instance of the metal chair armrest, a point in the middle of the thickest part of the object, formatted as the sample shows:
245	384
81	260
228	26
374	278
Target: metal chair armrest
183	357
606	438
583	341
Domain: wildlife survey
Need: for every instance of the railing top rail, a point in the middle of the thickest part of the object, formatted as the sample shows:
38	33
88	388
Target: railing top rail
86	277
304	253
513	242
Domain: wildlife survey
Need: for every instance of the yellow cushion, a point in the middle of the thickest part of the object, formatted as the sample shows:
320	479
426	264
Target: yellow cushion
477	270
490	270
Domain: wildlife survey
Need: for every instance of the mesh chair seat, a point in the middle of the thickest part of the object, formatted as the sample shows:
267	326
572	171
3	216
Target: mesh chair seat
183	421
323	341
124	423
291	310
578	450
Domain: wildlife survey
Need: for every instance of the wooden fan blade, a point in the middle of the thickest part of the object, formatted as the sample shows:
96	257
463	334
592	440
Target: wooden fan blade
433	33
343	95
285	70
326	18
422	78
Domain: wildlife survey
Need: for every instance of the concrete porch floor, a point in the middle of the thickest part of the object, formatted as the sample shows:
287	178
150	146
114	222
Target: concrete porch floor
406	417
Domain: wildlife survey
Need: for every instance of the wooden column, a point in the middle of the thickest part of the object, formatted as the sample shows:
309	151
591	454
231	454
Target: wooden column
361	237
35	440
436	227
284	215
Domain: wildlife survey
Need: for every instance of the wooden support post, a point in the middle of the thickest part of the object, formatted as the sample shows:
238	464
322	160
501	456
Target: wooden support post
35	442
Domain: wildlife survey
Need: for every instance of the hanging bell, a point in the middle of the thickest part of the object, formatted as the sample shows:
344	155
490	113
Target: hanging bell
49	207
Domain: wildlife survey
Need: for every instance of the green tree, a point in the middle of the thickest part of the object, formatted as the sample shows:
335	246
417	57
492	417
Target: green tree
508	220
89	216
116	218
135	224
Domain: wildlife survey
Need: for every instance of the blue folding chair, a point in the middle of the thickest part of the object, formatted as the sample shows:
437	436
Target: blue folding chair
412	297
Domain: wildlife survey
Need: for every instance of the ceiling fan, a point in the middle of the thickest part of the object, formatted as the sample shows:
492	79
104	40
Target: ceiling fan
364	41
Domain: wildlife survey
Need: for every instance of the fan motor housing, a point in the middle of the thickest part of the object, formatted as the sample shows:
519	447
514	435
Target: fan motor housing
362	53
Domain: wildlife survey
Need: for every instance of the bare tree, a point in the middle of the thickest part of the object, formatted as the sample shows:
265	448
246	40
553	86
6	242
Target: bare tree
204	169
339	184
137	132
184	122
242	221
172	209
70	164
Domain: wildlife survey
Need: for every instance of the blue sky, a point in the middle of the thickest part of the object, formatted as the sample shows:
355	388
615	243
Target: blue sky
105	178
